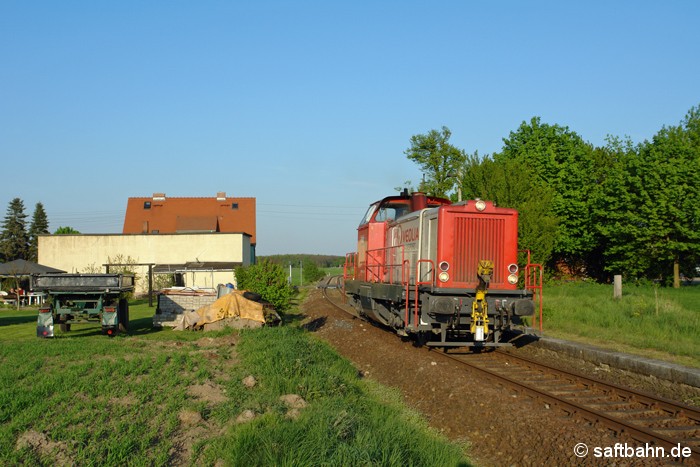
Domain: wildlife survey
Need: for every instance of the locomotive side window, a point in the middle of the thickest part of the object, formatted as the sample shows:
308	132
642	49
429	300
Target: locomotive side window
389	212
385	213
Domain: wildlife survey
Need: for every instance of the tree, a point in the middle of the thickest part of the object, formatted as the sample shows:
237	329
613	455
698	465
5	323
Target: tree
311	272
267	279
509	183
438	159
559	159
652	226
14	241
65	231
39	226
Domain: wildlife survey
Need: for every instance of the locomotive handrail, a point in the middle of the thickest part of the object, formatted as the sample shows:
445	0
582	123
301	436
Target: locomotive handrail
377	268
350	266
534	273
405	270
533	281
418	283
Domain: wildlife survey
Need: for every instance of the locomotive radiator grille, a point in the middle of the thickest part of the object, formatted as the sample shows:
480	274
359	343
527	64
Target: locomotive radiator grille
477	238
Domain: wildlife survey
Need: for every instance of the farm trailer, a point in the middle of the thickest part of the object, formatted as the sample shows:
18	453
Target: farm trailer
83	298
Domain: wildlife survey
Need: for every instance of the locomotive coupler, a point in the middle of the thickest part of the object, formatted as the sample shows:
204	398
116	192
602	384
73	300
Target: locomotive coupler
480	316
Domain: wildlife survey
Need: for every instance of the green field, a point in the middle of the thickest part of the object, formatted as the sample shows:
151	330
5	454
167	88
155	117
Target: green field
166	397
655	322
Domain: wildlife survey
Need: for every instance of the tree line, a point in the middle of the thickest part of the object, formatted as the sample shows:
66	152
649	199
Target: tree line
17	241
623	208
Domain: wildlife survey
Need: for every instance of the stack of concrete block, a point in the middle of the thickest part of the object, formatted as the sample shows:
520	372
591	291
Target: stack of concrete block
173	303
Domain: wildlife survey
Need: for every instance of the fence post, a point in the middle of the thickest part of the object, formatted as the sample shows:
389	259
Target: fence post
617	287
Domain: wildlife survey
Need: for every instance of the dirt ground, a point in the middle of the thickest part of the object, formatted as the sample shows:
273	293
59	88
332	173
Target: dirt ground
502	426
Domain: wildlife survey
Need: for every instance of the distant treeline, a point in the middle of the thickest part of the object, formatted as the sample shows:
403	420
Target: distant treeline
321	261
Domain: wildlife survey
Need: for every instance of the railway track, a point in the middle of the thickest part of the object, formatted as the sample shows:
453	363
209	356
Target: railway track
644	417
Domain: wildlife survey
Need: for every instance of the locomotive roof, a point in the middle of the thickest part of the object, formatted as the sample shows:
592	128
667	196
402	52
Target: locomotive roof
432	200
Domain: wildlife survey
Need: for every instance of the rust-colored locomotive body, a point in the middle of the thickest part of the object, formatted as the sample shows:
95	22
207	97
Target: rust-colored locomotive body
445	273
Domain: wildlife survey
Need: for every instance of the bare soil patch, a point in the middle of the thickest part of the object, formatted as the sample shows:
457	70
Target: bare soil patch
42	445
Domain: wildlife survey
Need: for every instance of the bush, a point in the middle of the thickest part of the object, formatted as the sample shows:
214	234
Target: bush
267	279
311	272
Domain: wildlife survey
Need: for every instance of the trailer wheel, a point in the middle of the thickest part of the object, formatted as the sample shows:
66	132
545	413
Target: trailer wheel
65	327
123	315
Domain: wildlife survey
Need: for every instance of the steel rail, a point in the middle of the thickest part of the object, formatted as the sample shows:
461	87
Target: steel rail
639	433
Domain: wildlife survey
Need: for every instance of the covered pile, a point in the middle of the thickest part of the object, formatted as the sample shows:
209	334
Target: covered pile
232	310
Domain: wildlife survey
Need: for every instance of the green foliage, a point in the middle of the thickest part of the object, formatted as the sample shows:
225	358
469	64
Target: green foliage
66	231
311	272
649	214
439	160
321	261
39	226
560	160
163	281
267	279
14	240
509	184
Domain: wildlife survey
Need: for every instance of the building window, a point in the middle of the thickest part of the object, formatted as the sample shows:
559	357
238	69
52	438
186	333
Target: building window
147	205
234	205
155	231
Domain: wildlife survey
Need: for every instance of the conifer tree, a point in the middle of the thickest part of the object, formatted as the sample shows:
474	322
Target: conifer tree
14	241
39	226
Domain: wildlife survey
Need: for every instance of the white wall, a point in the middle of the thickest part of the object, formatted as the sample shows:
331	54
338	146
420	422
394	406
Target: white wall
88	252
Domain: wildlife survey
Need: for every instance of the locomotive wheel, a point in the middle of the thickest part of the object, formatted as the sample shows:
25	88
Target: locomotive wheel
123	315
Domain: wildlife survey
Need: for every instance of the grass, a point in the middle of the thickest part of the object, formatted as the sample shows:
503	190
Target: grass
348	421
89	399
661	323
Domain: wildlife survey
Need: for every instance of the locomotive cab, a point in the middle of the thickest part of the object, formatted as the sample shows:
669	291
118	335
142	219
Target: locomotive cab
444	273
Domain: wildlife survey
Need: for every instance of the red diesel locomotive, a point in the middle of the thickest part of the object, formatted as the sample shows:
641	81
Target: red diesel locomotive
444	273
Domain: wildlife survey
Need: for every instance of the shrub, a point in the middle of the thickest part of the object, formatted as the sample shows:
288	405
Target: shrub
268	280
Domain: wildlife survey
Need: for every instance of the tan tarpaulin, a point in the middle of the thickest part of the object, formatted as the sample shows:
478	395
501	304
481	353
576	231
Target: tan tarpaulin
232	305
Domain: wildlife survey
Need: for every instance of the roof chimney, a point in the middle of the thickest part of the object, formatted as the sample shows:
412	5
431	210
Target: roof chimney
158	196
221	196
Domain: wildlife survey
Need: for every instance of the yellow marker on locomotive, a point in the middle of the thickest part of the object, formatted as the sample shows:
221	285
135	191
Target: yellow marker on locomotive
480	315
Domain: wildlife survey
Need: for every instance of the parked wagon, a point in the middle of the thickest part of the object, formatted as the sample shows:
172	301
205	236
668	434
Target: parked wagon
83	298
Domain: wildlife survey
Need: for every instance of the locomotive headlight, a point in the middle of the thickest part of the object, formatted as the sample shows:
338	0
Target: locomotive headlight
513	279
443	276
480	205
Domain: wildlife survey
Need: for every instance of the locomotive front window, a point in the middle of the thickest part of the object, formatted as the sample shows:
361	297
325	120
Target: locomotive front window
368	214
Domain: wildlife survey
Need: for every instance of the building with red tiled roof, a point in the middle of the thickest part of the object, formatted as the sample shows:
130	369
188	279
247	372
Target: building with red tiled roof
159	214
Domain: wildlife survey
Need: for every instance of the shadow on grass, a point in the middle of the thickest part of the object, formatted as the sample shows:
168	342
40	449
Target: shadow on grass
143	326
292	318
16	319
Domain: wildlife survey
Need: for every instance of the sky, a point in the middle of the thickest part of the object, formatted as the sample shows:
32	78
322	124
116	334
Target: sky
309	106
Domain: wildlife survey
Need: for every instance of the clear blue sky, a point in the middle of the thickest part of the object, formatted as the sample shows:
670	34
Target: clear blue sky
308	106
